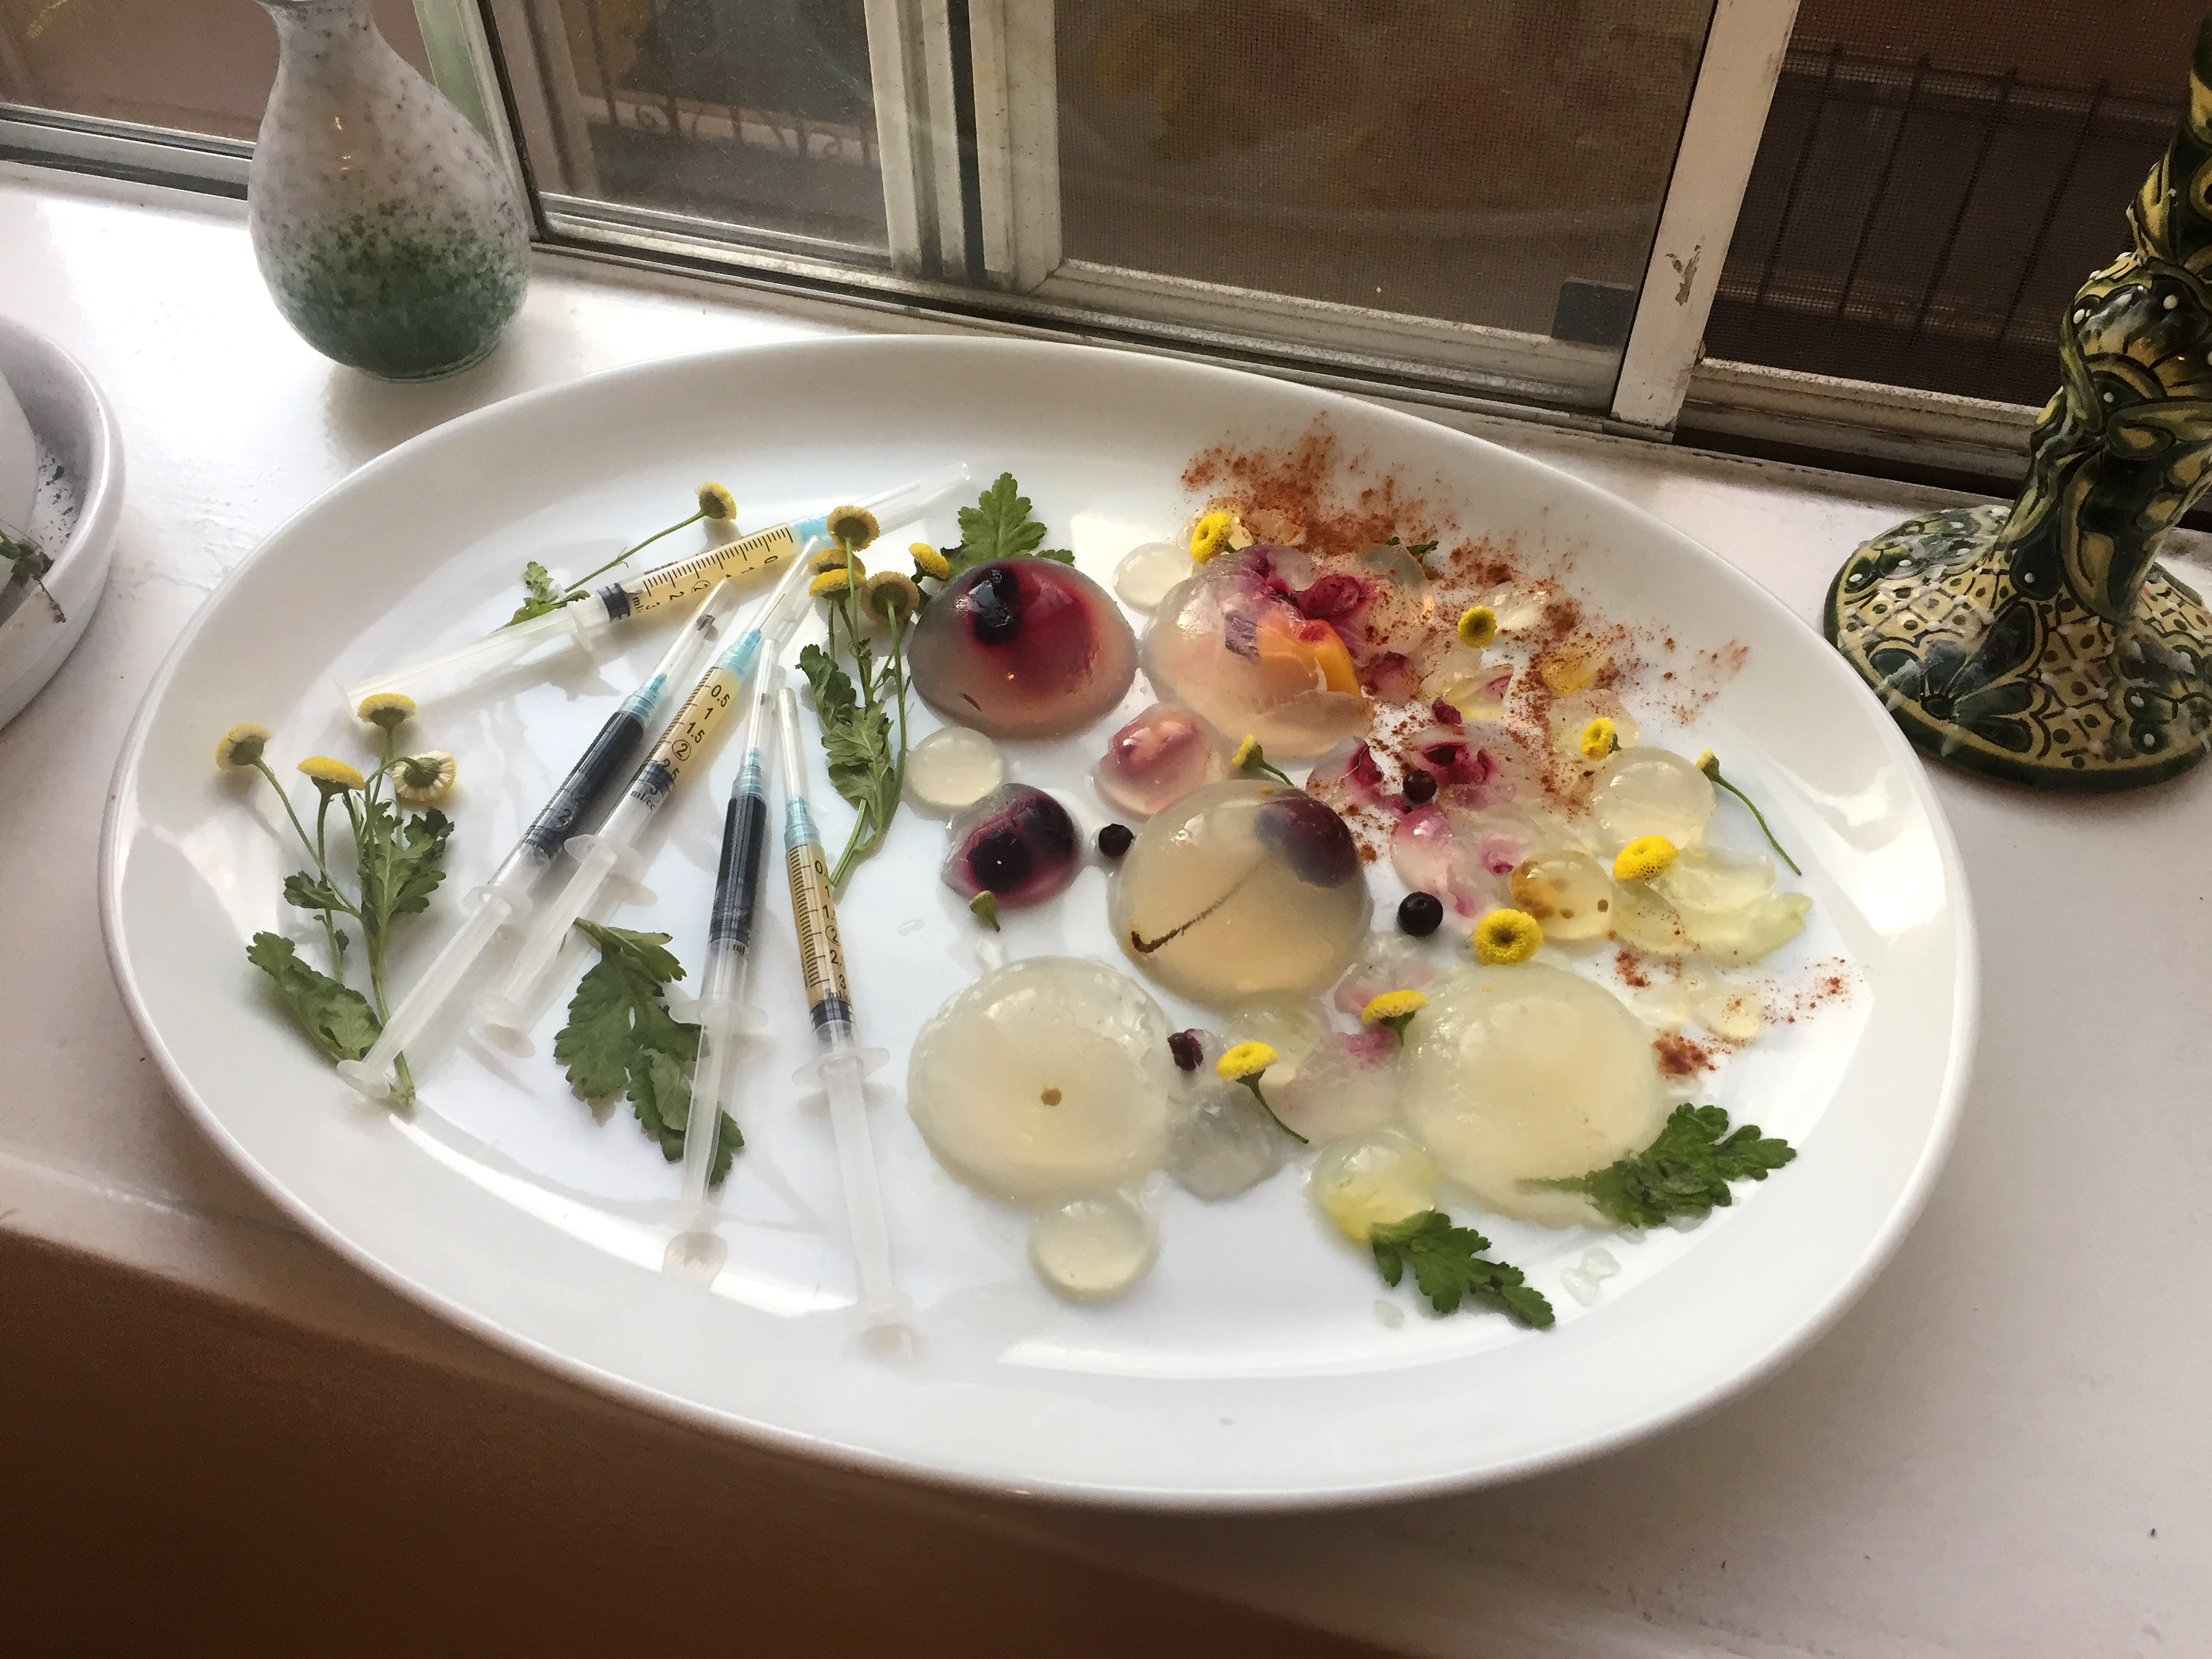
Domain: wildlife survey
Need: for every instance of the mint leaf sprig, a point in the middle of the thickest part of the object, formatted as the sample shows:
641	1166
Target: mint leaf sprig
1684	1172
1450	1270
621	1040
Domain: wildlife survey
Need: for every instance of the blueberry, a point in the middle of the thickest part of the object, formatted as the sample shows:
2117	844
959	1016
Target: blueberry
1186	1049
1420	914
1113	840
1420	786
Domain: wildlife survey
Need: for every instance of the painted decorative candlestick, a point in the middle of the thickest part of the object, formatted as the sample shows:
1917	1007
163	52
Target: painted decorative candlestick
2042	643
388	232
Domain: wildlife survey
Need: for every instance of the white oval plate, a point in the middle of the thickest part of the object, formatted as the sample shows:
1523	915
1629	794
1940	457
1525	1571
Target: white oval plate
1253	1369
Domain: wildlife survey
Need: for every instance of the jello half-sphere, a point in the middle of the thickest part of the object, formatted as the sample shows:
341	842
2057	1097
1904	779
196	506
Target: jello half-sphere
1023	649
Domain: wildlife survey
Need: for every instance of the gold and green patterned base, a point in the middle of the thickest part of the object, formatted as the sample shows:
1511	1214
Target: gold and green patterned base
2039	691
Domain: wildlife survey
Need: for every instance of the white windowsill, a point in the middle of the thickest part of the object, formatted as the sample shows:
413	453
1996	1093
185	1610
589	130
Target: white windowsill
1970	1462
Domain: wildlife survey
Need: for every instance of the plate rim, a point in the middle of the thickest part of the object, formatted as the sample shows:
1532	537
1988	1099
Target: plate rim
1053	1493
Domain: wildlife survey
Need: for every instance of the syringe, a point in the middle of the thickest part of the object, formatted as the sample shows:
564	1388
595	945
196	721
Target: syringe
508	1011
840	1070
721	1011
617	605
506	897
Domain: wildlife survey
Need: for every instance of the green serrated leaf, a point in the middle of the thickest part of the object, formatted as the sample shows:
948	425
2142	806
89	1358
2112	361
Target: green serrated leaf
1685	1171
336	1018
620	1039
660	1095
728	1138
1000	526
545	594
1449	1268
401	861
313	892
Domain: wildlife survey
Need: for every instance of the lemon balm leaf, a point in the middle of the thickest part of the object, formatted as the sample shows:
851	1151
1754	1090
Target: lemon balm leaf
1449	1268
336	1018
1684	1172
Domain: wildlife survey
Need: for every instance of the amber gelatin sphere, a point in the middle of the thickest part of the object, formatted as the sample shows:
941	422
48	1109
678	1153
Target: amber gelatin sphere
1023	649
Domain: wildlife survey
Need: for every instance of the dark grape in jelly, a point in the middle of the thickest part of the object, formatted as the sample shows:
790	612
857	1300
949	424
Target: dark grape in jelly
1023	649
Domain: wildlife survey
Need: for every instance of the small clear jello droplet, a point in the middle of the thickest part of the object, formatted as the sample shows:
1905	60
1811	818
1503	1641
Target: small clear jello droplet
1093	1247
1570	893
1023	649
1222	1143
1048	1076
1146	573
1158	758
1373	1179
952	769
1651	792
1715	878
1242	890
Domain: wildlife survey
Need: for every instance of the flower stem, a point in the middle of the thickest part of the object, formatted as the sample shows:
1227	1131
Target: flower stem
1252	1084
1761	817
576	588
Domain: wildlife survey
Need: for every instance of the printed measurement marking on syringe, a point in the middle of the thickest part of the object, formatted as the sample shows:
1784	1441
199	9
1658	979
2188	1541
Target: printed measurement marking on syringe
764	550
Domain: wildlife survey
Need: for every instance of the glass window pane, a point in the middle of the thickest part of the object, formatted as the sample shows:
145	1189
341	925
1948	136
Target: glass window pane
757	114
1935	181
1498	162
195	65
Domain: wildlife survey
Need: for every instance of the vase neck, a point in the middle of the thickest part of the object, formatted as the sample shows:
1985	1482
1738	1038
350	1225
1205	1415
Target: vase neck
319	18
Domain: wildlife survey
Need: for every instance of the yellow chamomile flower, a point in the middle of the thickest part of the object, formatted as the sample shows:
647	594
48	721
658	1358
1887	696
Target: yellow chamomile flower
242	745
422	780
1599	739
389	710
1244	1061
855	526
716	503
833	558
1394	1009
1709	762
830	581
928	562
891	596
1211	534
1243	1064
1477	627
331	776
1506	936
1643	858
1250	758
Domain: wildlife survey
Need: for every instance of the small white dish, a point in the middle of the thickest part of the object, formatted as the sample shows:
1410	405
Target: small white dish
76	505
1250	1369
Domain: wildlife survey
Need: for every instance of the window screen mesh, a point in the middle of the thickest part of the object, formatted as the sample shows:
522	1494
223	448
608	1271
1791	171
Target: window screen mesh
757	113
1467	160
1935	181
194	65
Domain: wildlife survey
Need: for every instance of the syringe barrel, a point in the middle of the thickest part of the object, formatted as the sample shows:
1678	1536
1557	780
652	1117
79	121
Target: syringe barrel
910	499
769	550
465	664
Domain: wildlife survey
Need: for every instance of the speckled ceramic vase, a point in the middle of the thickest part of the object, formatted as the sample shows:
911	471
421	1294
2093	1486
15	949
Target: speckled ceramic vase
388	231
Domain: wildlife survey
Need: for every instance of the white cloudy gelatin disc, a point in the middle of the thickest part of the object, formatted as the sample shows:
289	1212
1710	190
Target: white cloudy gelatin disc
951	769
1146	573
1093	1246
1519	1073
1046	1076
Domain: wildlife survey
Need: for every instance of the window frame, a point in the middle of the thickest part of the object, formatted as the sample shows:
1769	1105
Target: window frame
973	234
